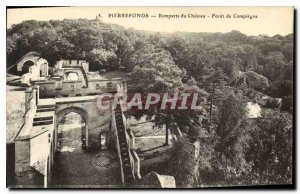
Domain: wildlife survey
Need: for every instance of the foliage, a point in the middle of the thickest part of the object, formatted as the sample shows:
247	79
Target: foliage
183	163
98	43
250	80
232	136
226	69
270	150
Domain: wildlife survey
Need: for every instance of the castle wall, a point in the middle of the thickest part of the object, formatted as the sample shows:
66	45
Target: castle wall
75	88
24	60
36	71
83	63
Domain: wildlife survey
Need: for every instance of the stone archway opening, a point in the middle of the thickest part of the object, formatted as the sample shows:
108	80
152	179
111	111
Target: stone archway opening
72	76
70	132
70	148
26	66
75	167
71	128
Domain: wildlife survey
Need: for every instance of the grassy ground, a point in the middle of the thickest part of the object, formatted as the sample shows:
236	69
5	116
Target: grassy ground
145	128
149	139
15	102
150	146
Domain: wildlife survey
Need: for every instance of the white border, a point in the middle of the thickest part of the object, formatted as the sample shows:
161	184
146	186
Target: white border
5	3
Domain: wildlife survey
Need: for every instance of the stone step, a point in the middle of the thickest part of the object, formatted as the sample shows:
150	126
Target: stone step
38	123
120	124
121	129
43	118
126	159
127	165
123	156
118	116
121	132
45	109
46	106
122	140
119	119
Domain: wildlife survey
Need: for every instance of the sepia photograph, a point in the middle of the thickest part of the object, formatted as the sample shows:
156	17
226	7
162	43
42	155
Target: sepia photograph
150	97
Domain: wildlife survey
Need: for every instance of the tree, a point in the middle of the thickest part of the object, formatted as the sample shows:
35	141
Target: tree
275	65
232	136
270	149
90	40
155	72
281	88
182	164
191	57
287	104
219	78
288	51
256	81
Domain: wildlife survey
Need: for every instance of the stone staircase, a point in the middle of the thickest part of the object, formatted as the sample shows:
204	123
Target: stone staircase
124	147
44	115
45	108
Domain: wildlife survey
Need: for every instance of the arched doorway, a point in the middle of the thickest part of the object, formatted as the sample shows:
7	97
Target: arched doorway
71	128
70	132
26	66
70	144
75	167
72	76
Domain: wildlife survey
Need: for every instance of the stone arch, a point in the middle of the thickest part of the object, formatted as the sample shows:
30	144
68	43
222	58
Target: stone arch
72	75
80	111
26	66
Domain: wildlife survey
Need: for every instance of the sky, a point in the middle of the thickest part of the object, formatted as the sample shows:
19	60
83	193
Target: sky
266	20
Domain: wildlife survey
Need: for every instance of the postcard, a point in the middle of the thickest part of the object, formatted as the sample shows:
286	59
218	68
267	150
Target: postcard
150	97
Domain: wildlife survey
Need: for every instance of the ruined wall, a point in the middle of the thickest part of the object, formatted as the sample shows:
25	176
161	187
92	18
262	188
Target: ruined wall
83	63
24	60
52	89
36	72
78	72
43	64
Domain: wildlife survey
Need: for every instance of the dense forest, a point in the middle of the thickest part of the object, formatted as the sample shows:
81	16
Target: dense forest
227	69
